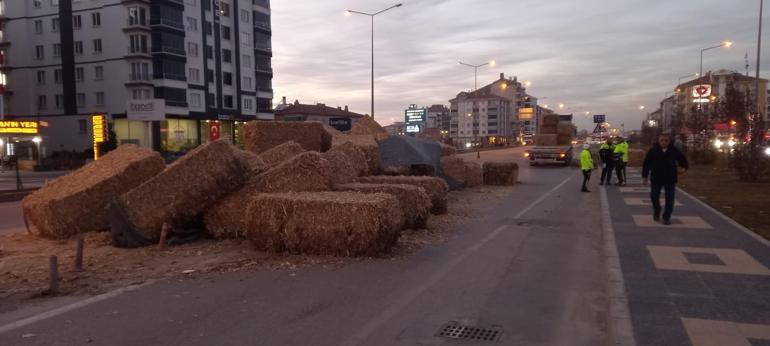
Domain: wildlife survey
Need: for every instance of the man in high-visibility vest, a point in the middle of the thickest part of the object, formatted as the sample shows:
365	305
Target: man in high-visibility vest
586	165
605	154
620	154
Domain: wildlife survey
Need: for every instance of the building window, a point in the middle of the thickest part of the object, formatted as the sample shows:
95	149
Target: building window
59	101
246	39
138	44
98	72
226	33
82	126
80	74
37	3
81	99
98	46
208	29
192	49
56	50
39	26
210	75
248	104
140	71
228	101
100	98
195	100
227	78
195	75
246	60
190	2
39	52
212	100
96	19
137	16
55	24
42	102
192	24
227	55
57	76
248	83
245	16
78	47
77	22
41	77
224	9
209	52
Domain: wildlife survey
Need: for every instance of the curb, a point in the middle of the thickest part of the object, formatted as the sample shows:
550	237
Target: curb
620	327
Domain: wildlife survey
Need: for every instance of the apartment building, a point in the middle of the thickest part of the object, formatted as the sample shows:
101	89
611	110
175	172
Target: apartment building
167	74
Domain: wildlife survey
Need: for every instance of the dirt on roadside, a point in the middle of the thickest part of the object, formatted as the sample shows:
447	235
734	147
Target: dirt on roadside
24	257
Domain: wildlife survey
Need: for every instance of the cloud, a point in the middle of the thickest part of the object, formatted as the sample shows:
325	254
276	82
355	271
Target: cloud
592	55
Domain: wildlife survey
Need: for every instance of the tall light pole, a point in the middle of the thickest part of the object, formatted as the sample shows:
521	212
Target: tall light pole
372	15
759	54
725	44
475	88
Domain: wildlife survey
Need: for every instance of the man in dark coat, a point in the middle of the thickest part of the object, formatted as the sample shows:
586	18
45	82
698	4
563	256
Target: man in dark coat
663	165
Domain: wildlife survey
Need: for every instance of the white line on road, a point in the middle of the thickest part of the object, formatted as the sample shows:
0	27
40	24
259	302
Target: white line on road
67	308
373	325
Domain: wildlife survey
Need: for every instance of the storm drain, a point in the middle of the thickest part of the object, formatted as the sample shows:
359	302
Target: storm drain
454	330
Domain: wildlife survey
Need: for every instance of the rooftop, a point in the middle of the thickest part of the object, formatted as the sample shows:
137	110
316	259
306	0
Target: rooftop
318	109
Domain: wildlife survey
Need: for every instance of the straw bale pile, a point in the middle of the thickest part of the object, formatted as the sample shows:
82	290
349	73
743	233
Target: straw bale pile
367	126
447	150
436	188
395	170
250	161
356	156
474	175
281	152
368	145
454	167
341	168
415	202
546	140
263	135
636	157
308	171
75	203
550	120
501	173
227	218
565	129
184	189
321	223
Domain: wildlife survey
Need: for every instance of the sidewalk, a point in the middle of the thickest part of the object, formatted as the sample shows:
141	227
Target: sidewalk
704	280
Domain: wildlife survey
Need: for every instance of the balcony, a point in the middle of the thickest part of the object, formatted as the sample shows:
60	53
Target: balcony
171	76
169	50
264	26
263	69
167	22
139	79
137	53
264	48
136	25
263	3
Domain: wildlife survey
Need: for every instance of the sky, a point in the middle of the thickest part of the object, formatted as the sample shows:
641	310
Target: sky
600	56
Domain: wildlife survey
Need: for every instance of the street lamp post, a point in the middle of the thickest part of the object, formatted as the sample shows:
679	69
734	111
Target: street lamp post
475	89
725	44
372	15
759	53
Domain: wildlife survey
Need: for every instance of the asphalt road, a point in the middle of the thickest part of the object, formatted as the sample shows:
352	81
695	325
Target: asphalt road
530	267
28	179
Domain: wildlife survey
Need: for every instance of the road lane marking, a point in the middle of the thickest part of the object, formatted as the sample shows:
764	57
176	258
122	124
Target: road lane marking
630	189
376	323
635	201
691	222
71	307
734	261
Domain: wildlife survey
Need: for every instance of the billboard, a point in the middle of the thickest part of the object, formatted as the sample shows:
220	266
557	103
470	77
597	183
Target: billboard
341	124
526	113
99	127
701	91
19	127
600	118
414	128
146	110
416	115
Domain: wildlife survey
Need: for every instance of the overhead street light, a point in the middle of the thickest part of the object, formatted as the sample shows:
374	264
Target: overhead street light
725	44
372	15
679	81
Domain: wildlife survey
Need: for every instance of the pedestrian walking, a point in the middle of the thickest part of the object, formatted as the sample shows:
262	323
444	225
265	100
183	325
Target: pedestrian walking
620	156
663	165
586	165
605	155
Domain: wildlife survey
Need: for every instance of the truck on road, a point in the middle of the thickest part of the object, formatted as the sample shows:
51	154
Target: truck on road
553	142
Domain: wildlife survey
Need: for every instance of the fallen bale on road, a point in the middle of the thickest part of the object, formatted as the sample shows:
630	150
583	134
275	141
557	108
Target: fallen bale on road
76	203
177	195
436	188
318	223
501	173
308	171
474	174
454	167
415	202
264	135
282	152
356	156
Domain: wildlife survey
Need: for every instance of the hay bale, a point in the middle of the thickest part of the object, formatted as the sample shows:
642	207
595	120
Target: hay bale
415	202
356	156
368	145
395	170
423	170
227	218
436	188
341	169
548	129
454	167
281	152
251	161
636	157
563	140
264	135
474	175
546	140
308	171
367	126
76	203
447	150
550	120
183	190
318	223
565	129
501	173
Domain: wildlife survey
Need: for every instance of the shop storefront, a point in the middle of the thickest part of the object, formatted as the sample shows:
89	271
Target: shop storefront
20	139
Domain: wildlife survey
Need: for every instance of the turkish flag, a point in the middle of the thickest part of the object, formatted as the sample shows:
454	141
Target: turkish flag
215	131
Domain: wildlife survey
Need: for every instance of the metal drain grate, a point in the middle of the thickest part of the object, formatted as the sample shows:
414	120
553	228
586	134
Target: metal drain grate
454	330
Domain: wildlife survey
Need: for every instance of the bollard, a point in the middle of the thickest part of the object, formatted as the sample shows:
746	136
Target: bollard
79	255
53	274
163	235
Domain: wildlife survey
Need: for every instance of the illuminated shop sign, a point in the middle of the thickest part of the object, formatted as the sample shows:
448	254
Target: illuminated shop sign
20	127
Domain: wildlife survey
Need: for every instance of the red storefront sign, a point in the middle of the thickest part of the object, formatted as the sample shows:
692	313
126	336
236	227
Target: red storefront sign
215	130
